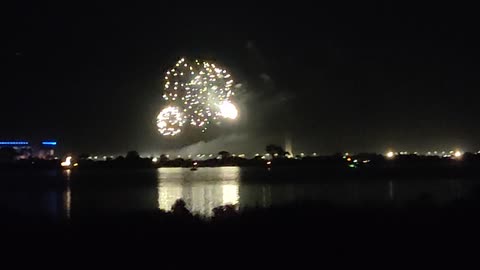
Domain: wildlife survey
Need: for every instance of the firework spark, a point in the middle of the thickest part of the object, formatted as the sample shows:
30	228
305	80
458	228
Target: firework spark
170	121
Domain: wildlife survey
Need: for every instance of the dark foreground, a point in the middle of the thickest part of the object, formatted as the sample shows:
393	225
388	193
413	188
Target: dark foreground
294	237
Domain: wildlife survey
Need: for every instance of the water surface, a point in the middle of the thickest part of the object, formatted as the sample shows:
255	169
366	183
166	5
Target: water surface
64	193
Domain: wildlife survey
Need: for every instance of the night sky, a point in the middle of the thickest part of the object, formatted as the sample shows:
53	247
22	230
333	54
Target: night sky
337	77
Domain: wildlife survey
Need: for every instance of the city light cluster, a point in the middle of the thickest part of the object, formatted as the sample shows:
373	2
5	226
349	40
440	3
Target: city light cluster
197	93
453	154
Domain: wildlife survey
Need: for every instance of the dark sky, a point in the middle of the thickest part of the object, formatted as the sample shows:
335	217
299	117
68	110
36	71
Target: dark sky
336	77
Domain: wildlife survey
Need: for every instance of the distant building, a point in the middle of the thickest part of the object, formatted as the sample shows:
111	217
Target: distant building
47	150
25	150
22	148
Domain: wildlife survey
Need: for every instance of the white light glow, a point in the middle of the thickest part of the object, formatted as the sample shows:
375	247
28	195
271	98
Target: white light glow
230	194
228	110
67	162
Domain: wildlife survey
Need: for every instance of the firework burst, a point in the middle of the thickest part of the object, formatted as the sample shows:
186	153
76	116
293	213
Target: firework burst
200	93
170	121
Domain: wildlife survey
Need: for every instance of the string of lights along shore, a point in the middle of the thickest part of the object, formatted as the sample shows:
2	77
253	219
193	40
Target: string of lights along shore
197	94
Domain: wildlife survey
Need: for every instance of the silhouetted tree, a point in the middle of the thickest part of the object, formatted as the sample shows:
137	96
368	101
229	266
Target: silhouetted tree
179	208
132	155
275	150
224	154
163	158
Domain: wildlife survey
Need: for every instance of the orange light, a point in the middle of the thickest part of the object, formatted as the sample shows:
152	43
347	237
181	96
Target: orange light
349	159
67	162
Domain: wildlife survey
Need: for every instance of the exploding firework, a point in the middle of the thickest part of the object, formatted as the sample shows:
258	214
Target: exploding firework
170	121
202	94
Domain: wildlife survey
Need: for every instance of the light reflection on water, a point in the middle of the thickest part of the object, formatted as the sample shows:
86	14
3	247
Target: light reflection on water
202	190
68	193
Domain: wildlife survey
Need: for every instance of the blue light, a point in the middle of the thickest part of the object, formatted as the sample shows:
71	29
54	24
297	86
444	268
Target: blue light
14	143
49	143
